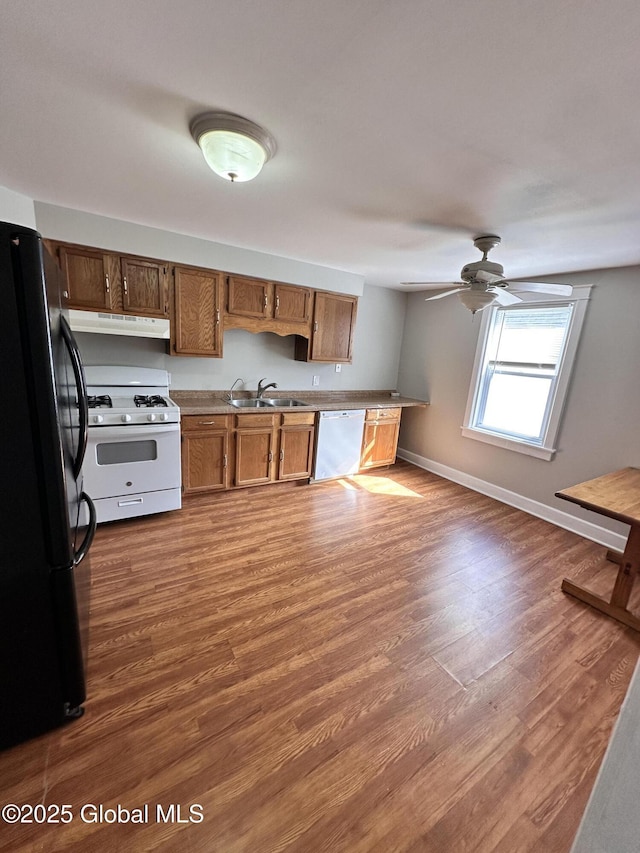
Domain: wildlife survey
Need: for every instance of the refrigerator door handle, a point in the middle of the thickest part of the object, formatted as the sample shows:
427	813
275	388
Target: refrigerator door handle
83	400
81	553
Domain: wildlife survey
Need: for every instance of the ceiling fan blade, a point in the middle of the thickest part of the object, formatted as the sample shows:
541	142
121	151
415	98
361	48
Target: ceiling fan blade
540	287
446	293
429	285
503	297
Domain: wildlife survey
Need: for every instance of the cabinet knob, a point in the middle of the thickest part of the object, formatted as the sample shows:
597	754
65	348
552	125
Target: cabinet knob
106	283
124	284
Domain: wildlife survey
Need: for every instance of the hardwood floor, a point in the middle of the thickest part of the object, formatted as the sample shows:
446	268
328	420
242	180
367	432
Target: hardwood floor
384	663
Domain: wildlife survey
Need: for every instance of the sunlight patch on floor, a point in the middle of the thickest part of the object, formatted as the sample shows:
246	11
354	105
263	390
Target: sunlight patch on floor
378	486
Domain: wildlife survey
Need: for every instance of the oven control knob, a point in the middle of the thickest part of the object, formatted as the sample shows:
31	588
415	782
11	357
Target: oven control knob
164	416
126	418
97	419
151	417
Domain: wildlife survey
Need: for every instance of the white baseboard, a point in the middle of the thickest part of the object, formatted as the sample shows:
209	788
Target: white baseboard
556	516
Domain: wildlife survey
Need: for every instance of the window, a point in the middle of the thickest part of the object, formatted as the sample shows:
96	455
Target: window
521	374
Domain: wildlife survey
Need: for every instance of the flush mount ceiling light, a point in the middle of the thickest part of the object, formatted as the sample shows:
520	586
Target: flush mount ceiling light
234	147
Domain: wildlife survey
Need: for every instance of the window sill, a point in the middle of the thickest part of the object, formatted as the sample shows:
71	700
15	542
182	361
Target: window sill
546	453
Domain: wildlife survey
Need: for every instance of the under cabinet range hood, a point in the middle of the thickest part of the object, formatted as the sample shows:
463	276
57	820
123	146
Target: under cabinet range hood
119	324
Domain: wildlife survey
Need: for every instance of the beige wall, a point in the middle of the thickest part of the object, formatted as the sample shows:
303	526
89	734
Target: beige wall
16	208
600	431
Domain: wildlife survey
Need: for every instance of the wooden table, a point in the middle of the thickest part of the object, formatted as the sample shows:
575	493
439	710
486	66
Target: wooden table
615	495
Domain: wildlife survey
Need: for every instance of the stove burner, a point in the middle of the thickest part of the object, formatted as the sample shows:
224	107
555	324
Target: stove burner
153	401
99	401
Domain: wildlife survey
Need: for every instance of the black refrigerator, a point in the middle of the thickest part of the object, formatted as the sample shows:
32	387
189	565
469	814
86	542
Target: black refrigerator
44	568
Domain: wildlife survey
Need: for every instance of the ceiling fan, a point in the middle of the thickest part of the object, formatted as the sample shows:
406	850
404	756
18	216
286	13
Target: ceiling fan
483	282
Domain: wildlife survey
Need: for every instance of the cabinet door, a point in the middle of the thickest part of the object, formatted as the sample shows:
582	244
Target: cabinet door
292	304
380	443
205	460
196	323
144	287
296	452
333	325
87	278
248	297
254	456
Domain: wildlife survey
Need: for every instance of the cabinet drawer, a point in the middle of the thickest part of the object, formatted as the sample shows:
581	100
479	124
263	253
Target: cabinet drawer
192	422
257	420
293	418
389	413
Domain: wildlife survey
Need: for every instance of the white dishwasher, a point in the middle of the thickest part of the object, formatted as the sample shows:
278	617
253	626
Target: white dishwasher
338	444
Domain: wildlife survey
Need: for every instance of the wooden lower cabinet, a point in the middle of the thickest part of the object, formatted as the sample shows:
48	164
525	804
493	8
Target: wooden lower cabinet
296	446
380	438
205	453
234	451
273	447
255	439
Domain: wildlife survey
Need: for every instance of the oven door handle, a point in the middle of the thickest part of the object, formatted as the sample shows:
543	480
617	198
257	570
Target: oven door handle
81	553
130	433
83	399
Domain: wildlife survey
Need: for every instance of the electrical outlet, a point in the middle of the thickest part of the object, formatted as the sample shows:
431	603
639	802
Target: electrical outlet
316	380
338	368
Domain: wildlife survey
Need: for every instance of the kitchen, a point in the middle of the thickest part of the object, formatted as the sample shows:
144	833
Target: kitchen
347	665
247	535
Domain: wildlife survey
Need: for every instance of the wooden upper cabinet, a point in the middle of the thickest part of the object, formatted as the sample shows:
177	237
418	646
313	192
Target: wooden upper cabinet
248	297
258	305
88	277
196	328
144	287
291	303
96	280
334	320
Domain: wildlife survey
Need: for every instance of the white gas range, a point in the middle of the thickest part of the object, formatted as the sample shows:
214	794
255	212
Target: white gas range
132	463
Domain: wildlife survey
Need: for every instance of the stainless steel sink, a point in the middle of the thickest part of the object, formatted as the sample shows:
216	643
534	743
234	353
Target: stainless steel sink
251	403
283	401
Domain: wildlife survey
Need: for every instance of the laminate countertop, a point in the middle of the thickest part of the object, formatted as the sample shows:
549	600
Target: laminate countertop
215	402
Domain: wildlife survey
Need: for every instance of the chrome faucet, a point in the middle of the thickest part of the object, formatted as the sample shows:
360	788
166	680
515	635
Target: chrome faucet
262	388
230	391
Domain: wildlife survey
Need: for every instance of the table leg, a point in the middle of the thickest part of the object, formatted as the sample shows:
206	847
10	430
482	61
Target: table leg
616	607
628	569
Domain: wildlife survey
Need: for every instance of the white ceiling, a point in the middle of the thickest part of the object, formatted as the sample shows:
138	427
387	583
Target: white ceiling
404	127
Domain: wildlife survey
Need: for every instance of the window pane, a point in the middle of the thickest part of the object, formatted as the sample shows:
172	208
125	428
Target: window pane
521	363
535	336
516	404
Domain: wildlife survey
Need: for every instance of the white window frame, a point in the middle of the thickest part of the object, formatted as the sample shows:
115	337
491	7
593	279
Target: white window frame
546	447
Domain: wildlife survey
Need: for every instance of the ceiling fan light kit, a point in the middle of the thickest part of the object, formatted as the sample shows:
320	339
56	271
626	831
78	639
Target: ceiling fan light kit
476	300
483	282
234	147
